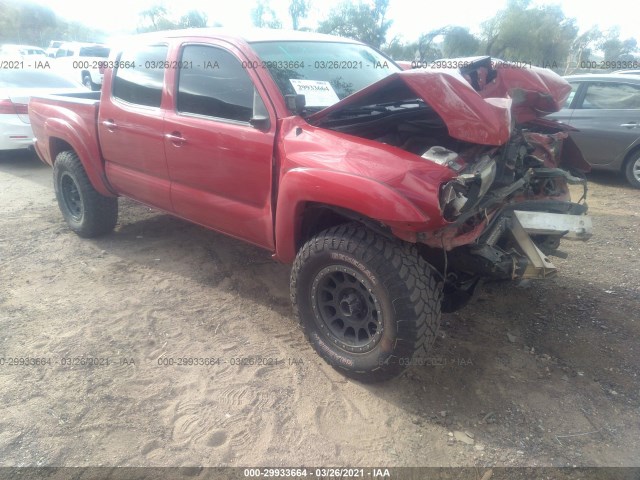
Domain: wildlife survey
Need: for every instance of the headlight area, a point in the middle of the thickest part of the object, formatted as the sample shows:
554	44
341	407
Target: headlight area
503	231
464	192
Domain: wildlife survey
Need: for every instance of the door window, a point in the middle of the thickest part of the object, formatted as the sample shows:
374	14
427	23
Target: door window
213	83
140	75
614	96
574	89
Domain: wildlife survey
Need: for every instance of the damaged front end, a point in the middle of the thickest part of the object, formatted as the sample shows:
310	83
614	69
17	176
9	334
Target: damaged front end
505	204
517	188
507	213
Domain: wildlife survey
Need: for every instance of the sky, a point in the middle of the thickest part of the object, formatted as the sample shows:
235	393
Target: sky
409	20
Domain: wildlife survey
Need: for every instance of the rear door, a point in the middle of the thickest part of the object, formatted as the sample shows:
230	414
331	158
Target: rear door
607	115
219	142
130	126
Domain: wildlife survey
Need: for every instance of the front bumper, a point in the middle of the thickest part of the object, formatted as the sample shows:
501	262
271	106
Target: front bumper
526	223
512	245
572	227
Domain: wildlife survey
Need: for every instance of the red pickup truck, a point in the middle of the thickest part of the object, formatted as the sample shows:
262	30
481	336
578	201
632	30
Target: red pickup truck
393	193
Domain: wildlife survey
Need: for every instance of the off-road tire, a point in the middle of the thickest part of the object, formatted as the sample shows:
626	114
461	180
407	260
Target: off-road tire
87	212
383	287
632	170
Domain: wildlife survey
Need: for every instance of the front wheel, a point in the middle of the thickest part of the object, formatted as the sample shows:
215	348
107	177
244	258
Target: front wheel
369	305
87	212
632	170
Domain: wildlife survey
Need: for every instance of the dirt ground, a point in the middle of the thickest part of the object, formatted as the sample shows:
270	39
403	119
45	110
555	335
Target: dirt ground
536	374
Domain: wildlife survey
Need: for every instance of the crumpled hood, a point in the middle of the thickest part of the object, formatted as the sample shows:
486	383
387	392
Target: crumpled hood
535	91
481	115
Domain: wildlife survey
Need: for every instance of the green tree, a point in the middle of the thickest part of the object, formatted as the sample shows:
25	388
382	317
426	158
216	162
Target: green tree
615	49
8	15
582	49
35	23
428	48
298	10
194	19
79	32
156	18
362	21
399	50
459	42
31	23
263	16
541	35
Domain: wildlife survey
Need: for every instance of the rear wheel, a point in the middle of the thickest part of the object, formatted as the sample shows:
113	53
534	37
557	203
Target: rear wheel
369	305
87	212
632	170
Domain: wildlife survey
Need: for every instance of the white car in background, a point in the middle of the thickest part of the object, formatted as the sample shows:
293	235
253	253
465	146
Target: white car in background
17	86
10	51
82	62
53	47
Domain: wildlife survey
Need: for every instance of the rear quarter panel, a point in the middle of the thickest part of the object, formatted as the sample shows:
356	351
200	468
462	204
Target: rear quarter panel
69	123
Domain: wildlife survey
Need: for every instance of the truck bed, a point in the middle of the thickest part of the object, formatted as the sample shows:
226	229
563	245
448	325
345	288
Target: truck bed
72	116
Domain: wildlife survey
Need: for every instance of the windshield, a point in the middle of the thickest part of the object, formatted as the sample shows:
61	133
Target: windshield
325	72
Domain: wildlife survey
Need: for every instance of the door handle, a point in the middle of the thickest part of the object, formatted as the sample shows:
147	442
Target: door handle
629	125
110	124
176	138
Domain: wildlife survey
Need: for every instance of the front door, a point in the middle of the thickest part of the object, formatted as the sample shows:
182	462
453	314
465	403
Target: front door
219	144
607	116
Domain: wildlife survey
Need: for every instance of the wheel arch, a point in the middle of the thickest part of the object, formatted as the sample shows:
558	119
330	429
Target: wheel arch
63	137
632	154
317	217
311	200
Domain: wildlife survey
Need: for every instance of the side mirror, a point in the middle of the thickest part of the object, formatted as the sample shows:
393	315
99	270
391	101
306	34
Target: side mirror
260	122
295	103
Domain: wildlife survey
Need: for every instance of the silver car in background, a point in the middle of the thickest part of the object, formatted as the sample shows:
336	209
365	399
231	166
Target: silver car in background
17	86
605	108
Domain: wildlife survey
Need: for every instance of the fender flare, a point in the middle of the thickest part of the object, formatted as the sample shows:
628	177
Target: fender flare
362	195
85	144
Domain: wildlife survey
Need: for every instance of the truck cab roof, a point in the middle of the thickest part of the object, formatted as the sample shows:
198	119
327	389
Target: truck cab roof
249	35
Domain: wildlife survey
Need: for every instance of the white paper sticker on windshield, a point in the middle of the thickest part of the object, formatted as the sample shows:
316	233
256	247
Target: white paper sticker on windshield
317	93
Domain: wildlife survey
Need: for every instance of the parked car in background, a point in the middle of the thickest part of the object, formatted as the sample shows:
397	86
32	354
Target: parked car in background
17	86
53	47
21	52
83	62
605	110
